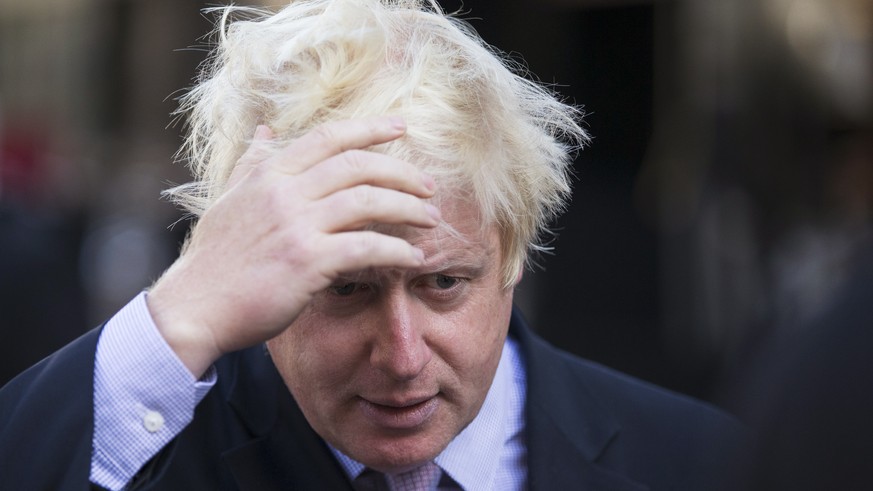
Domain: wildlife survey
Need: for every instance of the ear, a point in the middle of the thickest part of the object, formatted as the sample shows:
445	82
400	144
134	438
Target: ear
519	276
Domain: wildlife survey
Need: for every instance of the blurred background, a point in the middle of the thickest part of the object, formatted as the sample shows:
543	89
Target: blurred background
724	197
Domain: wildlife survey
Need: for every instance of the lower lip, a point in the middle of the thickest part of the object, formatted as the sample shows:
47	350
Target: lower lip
400	418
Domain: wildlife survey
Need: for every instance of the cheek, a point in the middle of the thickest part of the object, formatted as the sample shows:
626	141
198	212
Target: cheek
477	344
283	351
492	313
311	359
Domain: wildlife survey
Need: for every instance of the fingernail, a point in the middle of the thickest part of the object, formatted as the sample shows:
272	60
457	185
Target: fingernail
419	254
433	211
262	132
397	122
428	182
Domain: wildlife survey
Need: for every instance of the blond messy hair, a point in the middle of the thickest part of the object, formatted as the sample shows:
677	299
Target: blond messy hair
474	124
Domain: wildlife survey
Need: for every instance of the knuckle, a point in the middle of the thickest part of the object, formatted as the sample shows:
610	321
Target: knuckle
364	195
302	248
324	132
298	248
275	201
355	161
361	247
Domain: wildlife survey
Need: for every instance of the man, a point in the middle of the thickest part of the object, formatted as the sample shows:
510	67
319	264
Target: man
807	396
342	313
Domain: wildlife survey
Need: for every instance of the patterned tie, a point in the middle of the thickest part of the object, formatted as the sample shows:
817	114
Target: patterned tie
424	478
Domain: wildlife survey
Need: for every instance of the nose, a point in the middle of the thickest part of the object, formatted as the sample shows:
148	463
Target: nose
400	349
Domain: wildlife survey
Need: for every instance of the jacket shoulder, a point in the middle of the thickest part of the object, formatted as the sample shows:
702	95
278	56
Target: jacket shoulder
46	421
653	436
664	437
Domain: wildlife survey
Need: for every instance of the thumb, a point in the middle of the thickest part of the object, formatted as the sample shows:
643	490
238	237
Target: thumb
257	151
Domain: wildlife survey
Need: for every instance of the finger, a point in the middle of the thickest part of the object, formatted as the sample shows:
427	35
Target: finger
355	167
329	139
355	251
363	205
257	151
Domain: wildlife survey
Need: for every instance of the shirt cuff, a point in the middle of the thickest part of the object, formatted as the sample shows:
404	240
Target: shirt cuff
143	395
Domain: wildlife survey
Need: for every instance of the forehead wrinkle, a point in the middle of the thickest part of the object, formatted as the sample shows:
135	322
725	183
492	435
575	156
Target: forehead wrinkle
444	232
444	247
465	255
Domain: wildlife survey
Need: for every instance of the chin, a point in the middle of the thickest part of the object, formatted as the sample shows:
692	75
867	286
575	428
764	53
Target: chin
399	454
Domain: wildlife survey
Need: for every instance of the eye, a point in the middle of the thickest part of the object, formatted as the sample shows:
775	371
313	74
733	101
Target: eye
441	283
346	289
442	289
444	282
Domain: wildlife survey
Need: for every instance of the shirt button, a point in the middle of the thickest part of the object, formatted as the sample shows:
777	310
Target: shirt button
153	421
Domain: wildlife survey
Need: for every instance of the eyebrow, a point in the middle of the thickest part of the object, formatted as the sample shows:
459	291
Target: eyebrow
467	256
468	260
472	265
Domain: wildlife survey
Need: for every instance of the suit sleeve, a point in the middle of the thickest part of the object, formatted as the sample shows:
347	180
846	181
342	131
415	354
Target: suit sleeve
98	410
46	421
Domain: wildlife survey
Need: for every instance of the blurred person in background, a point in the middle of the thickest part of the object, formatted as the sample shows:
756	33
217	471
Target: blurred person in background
808	397
80	228
42	302
788	216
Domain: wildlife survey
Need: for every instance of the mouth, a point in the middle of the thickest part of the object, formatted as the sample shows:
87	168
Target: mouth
399	415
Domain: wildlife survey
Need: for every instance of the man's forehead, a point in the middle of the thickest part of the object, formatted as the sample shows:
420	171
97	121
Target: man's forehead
445	246
461	218
460	242
449	238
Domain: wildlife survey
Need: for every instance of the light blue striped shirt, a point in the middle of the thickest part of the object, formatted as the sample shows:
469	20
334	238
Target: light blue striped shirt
144	396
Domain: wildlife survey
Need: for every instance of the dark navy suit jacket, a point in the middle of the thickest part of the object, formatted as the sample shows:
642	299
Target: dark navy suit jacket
587	428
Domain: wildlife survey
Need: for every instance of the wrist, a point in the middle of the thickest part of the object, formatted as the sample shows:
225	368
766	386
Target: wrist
184	331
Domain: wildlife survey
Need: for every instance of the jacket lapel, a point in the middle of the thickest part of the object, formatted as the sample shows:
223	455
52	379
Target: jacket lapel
567	429
285	461
285	453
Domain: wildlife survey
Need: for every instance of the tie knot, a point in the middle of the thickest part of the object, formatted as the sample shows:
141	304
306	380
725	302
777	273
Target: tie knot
423	478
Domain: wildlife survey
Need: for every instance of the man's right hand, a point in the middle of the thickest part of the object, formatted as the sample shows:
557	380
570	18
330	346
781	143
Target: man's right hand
288	223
